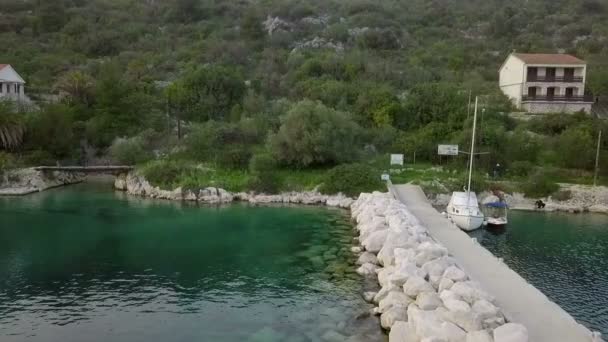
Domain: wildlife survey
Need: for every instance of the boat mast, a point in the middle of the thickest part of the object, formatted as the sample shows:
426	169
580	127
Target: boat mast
472	151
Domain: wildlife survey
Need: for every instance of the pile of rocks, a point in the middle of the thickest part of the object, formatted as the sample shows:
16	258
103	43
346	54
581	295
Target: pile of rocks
424	295
135	184
29	180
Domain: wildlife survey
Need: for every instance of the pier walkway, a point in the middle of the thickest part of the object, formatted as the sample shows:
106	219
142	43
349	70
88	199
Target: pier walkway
109	169
521	302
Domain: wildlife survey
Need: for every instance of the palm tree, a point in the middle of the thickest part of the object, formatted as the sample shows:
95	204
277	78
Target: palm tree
12	128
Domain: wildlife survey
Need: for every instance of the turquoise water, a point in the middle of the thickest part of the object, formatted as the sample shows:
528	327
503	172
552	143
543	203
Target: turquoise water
563	255
86	264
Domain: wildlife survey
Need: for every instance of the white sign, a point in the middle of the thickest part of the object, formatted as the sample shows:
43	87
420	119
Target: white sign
447	150
385	177
396	159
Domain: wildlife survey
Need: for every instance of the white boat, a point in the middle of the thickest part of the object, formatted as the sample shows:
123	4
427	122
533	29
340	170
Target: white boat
463	208
464	211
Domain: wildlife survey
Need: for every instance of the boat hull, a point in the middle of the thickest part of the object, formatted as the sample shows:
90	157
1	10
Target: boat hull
467	222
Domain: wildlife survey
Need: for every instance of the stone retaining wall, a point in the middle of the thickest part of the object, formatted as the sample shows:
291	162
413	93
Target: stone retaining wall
137	185
424	295
29	180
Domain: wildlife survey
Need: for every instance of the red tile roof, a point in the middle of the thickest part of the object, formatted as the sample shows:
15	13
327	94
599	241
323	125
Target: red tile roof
2	66
548	58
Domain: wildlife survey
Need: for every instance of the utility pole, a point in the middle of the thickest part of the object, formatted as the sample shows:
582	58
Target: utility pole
469	105
597	158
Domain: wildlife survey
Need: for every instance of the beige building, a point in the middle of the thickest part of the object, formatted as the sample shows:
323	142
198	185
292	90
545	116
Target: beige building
545	83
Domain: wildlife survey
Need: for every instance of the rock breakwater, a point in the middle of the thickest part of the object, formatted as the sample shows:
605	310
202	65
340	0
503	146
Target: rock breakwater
135	184
424	295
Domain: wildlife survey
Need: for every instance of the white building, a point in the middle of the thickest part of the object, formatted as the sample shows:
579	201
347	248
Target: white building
12	86
545	83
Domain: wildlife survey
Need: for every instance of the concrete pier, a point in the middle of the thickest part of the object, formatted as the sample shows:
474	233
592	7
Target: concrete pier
522	302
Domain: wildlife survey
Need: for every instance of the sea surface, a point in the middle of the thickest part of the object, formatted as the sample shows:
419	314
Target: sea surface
563	255
84	263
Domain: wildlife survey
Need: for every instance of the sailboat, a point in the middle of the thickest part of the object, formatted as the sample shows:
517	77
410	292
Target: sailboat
463	208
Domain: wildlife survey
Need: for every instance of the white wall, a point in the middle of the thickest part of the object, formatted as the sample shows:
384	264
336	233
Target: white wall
511	79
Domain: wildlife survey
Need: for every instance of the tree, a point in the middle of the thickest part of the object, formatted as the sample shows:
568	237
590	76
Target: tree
213	90
434	102
12	128
313	134
78	87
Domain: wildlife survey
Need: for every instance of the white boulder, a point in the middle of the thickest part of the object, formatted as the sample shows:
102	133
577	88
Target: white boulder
401	332
428	301
367	258
454	273
511	332
390	316
416	285
367	270
484	309
374	242
445	284
479	336
394	298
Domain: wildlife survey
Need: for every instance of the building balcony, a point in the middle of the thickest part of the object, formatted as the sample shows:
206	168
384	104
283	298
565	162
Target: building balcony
562	79
556	98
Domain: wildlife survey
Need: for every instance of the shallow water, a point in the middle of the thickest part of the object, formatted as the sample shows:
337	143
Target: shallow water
563	255
86	264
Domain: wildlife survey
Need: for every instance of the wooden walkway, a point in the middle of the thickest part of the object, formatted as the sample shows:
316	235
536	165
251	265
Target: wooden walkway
88	169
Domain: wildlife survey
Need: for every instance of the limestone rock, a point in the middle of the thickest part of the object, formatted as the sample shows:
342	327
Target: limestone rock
367	270
445	284
454	273
479	336
428	301
390	316
456	305
367	258
404	272
384	291
368	296
466	320
394	298
374	242
416	285
511	332
484	309
384	274
401	332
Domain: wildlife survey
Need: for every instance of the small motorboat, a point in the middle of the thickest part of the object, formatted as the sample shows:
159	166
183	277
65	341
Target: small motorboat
496	214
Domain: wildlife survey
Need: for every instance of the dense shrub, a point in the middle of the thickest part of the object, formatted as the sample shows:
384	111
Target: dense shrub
227	144
7	162
164	173
130	151
351	179
313	134
539	185
264	176
38	158
520	168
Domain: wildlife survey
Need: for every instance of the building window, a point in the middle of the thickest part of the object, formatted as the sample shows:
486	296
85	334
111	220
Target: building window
532	74
1	88
551	91
550	74
8	88
568	74
571	91
532	91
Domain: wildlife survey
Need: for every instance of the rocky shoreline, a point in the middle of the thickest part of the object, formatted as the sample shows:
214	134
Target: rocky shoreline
581	199
424	295
137	185
26	181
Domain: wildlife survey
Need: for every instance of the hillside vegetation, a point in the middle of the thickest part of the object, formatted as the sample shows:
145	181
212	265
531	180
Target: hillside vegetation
270	94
